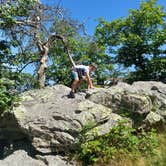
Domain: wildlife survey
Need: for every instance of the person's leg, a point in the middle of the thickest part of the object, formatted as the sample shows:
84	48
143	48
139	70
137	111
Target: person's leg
75	78
74	85
79	82
73	88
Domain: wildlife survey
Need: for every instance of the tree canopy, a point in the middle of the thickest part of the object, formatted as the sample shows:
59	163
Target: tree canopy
138	41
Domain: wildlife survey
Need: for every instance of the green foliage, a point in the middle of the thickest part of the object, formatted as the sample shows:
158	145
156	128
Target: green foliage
9	79
160	159
121	138
16	21
138	40
155	71
14	57
7	96
83	50
12	9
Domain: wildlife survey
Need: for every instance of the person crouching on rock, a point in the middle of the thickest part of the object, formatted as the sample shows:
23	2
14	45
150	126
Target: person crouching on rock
79	72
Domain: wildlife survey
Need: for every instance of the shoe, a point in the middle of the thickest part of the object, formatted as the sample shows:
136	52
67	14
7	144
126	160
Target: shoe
71	95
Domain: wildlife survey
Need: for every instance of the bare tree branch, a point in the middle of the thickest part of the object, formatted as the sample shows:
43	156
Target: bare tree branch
26	66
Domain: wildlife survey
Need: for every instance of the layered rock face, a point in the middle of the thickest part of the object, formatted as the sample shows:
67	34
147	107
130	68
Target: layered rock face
141	99
21	158
51	121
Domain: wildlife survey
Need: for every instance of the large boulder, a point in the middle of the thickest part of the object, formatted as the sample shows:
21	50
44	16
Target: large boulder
122	97
56	160
157	92
21	158
138	99
52	121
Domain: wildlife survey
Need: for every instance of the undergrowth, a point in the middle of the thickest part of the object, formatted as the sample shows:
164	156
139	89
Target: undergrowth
122	139
7	96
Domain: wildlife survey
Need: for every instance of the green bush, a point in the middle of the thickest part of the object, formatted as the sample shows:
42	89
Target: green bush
7	96
121	138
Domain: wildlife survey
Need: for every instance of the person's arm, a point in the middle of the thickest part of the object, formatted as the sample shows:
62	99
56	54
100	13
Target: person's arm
90	84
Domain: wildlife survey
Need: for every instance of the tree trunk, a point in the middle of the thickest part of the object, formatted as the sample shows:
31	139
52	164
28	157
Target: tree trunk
43	66
43	49
41	76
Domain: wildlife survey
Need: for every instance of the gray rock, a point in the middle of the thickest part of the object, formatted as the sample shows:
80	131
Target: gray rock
139	98
150	85
20	158
105	127
153	119
52	121
140	104
56	160
118	98
156	91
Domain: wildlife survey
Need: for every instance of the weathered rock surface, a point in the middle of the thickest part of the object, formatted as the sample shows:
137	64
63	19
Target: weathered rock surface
21	158
140	98
51	121
57	160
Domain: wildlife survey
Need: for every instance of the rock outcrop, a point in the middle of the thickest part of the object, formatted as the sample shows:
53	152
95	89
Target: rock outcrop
21	158
51	121
141	99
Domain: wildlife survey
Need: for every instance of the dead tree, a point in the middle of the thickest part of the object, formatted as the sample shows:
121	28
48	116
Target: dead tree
43	53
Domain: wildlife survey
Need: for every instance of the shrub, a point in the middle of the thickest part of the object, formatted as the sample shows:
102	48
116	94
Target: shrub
7	97
120	139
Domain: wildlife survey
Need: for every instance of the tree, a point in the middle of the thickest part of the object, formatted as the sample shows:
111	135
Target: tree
45	34
82	47
7	96
138	40
27	24
12	82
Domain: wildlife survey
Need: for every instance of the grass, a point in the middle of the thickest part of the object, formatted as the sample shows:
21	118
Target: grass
123	159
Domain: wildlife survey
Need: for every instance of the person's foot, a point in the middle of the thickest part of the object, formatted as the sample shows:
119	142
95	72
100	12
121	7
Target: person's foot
71	95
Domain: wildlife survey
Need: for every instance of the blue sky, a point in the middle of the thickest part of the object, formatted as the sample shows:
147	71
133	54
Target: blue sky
91	10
